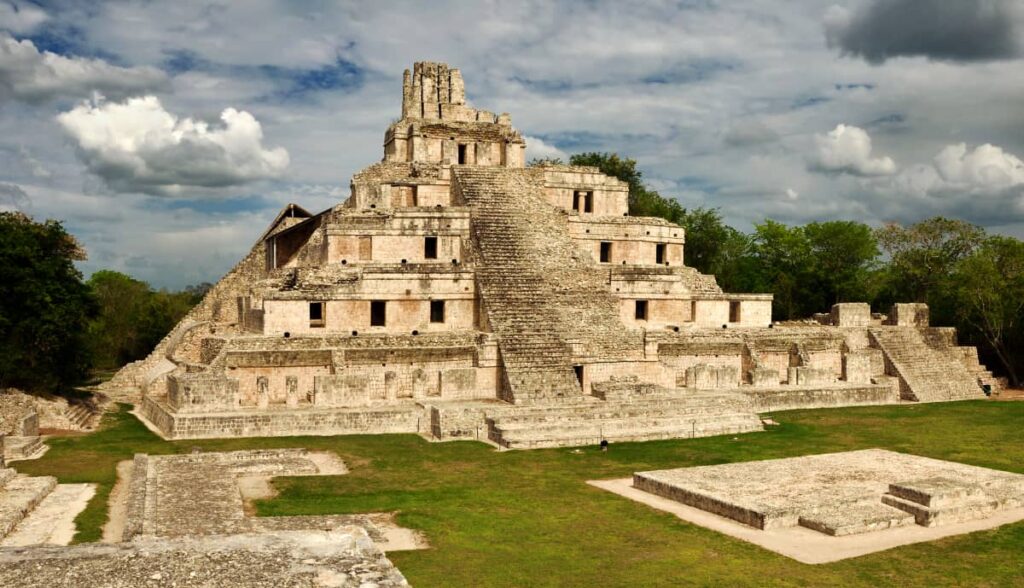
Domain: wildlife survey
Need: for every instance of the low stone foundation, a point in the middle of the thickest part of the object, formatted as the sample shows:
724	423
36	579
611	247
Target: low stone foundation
841	494
793	397
406	418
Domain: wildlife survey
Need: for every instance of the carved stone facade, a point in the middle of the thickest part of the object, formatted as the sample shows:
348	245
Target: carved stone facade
458	292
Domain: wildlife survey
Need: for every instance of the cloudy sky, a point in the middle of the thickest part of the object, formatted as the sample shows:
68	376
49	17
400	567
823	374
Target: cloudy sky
167	135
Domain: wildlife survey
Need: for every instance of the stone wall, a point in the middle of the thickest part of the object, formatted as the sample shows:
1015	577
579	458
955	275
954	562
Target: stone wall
276	423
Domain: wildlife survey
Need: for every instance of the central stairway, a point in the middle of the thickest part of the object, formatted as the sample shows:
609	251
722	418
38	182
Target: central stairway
926	374
538	291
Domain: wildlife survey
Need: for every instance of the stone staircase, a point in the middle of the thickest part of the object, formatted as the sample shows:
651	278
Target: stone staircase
677	416
535	286
969	357
19	494
926	374
22	447
81	416
939	501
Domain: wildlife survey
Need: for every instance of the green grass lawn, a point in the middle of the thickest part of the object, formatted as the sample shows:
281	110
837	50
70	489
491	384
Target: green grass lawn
527	518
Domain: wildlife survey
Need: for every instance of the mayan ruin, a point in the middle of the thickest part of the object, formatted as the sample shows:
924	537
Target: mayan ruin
366	295
458	294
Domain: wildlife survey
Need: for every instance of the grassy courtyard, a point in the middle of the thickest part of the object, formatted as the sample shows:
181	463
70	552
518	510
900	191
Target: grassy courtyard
529	519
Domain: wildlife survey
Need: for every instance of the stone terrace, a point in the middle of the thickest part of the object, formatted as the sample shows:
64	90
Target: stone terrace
344	557
200	494
841	493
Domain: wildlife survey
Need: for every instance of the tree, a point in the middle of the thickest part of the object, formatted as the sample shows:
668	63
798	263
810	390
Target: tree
987	288
784	260
545	161
844	255
132	317
44	305
924	255
706	237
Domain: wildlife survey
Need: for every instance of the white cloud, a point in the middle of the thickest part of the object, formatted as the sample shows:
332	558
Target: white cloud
847	149
137	146
28	75
20	17
537	149
986	168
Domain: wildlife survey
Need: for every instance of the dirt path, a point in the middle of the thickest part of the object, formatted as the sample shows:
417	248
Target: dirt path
117	504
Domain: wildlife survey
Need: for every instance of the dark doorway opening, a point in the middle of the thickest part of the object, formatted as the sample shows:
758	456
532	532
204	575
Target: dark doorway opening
430	248
641	310
316	314
606	252
378	313
437	311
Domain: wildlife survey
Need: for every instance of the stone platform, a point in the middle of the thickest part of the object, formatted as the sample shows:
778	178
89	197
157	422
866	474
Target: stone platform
343	557
209	494
827	507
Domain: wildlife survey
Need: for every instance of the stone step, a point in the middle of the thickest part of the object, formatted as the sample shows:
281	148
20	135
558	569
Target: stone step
631	430
855	519
966	510
22	447
928	374
19	496
620	422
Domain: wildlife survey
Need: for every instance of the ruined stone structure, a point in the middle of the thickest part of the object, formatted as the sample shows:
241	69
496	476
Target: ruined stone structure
458	293
829	507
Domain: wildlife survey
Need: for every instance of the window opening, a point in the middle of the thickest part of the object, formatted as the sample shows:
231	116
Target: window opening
378	313
641	310
316	314
437	311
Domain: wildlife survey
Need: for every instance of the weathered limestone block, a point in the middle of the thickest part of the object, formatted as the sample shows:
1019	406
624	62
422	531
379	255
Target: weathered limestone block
764	377
909	314
851	314
262	392
861	365
809	376
702	376
291	386
728	376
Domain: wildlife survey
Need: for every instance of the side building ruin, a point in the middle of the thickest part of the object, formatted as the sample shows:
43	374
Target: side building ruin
458	293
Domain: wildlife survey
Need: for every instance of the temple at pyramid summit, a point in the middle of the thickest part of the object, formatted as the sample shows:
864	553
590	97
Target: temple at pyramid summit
460	294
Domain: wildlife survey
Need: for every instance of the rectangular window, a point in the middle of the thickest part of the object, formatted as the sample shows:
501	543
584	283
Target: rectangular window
641	310
659	253
606	252
462	154
430	248
588	202
316	314
378	313
437	311
734	311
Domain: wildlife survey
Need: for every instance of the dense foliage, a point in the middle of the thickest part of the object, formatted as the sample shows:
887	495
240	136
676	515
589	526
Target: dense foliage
55	327
44	305
133	317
